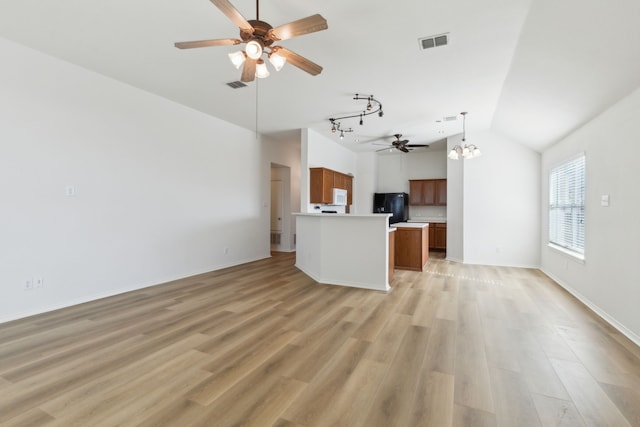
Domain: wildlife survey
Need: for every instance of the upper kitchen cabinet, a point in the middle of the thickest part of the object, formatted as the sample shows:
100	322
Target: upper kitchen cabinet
322	181
428	192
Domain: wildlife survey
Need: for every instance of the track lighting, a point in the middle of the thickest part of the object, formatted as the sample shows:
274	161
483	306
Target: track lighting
466	151
373	106
335	127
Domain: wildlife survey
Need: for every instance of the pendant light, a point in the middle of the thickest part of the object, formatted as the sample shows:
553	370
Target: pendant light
466	151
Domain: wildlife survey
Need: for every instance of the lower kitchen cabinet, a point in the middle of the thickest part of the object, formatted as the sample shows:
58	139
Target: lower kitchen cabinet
412	248
438	235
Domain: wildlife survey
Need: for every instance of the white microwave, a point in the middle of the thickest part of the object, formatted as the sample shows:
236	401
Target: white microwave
339	197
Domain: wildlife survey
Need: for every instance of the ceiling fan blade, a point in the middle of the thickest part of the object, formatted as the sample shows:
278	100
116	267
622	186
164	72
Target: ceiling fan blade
403	149
384	149
206	43
417	145
249	70
232	13
303	26
299	61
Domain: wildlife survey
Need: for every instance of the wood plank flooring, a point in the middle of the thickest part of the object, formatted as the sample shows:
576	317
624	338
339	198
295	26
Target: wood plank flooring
262	344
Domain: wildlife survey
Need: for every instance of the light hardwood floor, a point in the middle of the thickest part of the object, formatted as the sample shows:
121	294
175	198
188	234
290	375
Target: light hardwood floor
263	345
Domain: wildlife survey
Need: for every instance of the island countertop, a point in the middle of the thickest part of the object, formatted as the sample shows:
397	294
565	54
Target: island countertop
411	224
342	215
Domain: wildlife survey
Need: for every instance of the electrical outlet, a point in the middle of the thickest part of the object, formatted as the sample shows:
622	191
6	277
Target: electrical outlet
38	282
28	284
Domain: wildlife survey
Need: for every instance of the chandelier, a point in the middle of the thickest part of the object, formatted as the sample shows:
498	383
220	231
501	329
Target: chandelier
466	151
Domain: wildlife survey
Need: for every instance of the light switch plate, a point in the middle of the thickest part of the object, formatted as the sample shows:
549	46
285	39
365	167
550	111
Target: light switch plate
604	200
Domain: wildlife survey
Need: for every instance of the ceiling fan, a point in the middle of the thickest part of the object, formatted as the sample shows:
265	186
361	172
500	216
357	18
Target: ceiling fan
403	145
259	38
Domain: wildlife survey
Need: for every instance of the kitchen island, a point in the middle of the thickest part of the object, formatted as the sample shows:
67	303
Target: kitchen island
344	249
412	245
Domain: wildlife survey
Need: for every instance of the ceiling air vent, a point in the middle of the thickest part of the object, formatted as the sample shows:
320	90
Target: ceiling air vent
236	85
434	41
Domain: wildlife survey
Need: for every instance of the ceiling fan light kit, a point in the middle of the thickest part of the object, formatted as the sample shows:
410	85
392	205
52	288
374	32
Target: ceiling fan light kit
259	38
237	58
466	151
254	49
276	60
261	69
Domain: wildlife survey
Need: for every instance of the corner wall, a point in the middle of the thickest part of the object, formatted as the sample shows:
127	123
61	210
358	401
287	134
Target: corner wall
159	192
501	203
320	151
608	279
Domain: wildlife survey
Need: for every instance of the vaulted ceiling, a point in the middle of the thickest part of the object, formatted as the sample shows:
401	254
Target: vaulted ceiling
533	70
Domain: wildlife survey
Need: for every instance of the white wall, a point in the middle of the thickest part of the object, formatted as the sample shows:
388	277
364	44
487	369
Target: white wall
501	203
395	170
608	279
320	151
161	190
455	204
367	169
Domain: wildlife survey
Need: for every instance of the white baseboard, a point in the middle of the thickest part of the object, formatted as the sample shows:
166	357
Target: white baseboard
597	310
113	292
326	281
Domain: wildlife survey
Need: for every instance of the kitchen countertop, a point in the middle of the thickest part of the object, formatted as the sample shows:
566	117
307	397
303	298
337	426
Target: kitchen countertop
341	215
428	219
411	224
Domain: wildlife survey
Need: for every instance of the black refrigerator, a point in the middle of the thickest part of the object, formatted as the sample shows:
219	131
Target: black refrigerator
393	203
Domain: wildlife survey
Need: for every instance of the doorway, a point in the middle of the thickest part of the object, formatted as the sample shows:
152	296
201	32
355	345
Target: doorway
282	236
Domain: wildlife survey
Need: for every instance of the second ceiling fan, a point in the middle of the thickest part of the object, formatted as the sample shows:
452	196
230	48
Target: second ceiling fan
403	145
259	38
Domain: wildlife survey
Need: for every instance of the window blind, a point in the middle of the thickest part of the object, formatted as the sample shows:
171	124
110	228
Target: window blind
566	205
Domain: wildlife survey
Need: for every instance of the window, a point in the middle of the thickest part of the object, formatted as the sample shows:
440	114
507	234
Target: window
566	206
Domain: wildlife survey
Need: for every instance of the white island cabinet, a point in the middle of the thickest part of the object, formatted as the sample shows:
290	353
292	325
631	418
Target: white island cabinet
344	249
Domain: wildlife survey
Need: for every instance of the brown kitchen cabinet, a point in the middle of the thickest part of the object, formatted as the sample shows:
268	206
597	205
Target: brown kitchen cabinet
438	235
428	192
411	248
322	181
